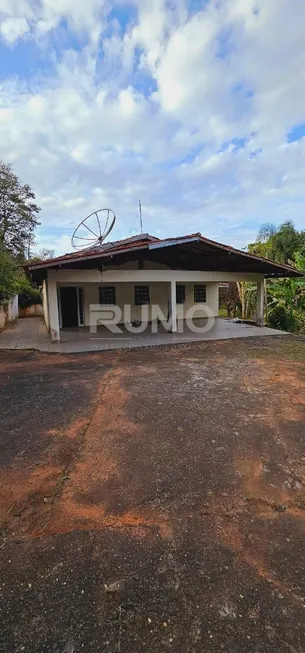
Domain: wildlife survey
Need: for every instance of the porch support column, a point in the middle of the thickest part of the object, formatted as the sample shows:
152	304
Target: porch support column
260	300
173	306
53	310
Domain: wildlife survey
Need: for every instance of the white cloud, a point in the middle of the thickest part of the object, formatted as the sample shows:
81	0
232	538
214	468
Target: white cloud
13	28
158	108
41	16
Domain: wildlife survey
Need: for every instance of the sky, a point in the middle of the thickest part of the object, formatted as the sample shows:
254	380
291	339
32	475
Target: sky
196	107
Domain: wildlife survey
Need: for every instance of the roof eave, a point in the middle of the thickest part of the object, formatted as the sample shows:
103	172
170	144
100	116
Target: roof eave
282	268
276	269
261	259
60	262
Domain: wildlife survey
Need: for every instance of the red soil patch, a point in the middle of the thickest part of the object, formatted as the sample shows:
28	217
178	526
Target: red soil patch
81	505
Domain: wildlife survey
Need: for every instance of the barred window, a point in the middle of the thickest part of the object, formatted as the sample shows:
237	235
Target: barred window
141	295
107	295
200	293
180	293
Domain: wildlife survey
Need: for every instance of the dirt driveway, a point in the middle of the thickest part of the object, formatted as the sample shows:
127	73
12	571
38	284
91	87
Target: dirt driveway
154	500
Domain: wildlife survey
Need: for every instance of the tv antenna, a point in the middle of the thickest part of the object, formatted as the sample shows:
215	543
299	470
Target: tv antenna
141	222
92	231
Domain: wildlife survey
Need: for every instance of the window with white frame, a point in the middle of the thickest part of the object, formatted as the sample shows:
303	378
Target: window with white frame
200	293
107	295
180	293
141	295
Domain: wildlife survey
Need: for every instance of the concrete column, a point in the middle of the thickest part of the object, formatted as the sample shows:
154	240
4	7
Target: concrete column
53	308
173	305
260	301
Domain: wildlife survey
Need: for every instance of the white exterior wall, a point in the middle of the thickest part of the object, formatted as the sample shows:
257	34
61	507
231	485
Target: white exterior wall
2	317
108	276
9	311
45	304
53	306
133	265
13	308
159	294
125	277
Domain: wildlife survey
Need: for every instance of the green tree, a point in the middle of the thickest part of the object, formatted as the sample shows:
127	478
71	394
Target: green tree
286	242
278	244
11	276
18	213
285	297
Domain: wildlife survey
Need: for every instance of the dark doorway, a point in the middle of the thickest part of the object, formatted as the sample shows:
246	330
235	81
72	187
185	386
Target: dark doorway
68	303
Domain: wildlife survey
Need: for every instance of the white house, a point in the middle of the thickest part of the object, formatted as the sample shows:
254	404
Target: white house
174	274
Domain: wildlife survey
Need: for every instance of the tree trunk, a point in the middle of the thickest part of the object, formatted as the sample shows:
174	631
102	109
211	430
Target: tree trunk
241	285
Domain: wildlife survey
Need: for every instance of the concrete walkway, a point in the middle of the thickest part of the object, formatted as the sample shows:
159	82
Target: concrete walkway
26	333
31	333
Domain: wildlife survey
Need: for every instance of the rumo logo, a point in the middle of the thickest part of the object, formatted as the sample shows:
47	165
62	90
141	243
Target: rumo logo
119	320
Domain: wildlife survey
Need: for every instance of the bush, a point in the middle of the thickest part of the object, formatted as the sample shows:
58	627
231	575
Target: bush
28	296
299	319
281	318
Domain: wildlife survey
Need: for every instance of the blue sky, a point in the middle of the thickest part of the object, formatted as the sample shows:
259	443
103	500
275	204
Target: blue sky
196	107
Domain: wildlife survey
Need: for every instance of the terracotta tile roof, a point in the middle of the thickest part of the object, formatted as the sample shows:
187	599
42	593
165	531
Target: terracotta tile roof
142	241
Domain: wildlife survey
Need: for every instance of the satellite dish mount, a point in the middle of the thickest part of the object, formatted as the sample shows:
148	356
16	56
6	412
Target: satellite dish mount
93	230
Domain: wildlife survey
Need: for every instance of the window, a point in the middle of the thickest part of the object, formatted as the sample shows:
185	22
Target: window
200	293
141	295
107	295
180	293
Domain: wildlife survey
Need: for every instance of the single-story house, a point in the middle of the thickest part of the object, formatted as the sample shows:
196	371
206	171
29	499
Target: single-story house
175	274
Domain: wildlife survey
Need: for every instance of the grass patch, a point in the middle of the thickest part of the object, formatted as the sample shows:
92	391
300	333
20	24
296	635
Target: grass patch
287	348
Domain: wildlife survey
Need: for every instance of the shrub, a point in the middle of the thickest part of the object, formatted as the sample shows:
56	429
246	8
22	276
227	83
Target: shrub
28	296
299	319
281	318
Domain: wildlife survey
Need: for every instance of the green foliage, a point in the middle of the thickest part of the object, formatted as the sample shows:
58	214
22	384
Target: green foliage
280	244
286	241
13	281
229	298
285	297
18	219
10	276
18	213
260	249
292	320
29	295
299	322
281	318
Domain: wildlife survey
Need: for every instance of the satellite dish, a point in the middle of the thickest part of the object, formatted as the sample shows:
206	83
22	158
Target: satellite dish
93	230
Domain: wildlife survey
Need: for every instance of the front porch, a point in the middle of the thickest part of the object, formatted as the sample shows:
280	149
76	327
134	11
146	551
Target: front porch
84	295
31	333
171	276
